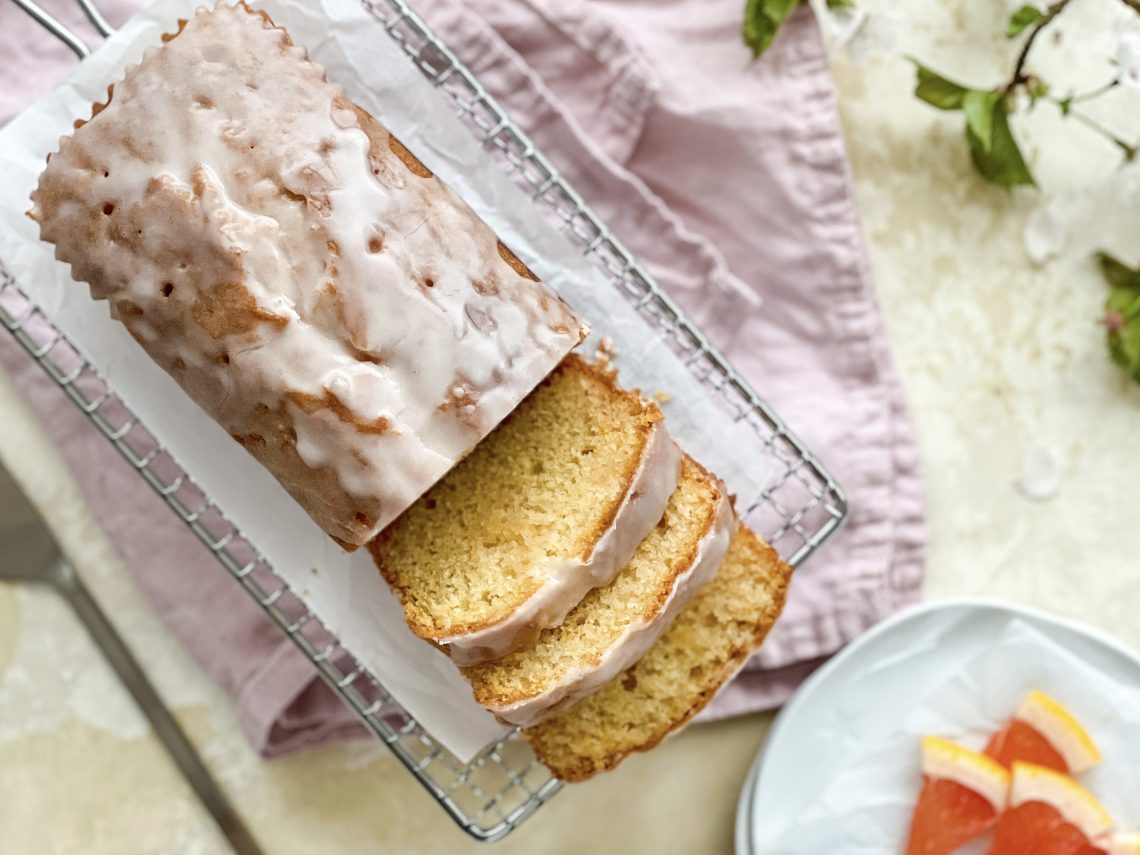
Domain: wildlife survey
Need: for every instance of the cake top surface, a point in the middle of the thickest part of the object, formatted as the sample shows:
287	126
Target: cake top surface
270	244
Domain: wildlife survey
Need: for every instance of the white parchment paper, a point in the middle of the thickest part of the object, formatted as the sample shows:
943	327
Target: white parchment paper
866	807
346	592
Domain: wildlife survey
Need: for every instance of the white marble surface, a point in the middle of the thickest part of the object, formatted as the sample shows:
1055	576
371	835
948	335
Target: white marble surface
1024	430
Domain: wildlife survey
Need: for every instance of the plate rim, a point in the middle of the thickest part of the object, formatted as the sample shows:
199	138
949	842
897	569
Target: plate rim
746	801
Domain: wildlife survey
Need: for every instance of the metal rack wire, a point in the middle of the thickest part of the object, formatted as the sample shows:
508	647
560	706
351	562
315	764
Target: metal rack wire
505	783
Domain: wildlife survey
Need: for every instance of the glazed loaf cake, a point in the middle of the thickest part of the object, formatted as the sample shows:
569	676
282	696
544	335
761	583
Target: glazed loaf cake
549	506
616	624
342	314
706	645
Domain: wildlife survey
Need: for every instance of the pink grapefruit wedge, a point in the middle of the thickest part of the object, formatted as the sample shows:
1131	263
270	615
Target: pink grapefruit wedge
963	794
1048	814
1041	731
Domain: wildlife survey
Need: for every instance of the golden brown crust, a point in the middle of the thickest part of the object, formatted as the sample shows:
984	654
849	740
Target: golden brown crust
182	22
229	309
414	164
329	401
515	262
573	764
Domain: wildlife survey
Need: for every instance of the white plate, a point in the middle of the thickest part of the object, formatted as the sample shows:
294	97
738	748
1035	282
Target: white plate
872	687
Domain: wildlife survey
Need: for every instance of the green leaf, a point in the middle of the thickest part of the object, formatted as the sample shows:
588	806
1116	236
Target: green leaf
762	20
937	91
1123	339
979	109
1024	17
1116	273
995	152
1122	313
1118	301
1132	310
1124	348
840	4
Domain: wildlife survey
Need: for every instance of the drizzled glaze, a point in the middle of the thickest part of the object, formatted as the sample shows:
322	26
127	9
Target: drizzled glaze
640	635
568	578
342	313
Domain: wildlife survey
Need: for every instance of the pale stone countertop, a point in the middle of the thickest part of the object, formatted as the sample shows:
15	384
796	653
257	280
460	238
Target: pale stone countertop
1007	377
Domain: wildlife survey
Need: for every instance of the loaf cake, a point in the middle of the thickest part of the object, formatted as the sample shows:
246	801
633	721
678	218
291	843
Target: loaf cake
307	281
614	625
549	506
703	648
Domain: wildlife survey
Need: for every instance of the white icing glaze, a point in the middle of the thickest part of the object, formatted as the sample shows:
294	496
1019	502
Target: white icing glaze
570	578
638	636
1077	806
364	304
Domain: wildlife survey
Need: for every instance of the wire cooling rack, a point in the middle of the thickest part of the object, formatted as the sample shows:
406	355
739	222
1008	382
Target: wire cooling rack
505	783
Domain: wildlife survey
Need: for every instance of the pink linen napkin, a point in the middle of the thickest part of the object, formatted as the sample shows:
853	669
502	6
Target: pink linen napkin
729	180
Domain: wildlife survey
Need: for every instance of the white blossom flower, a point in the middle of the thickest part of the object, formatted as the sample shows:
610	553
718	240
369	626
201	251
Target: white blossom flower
1041	470
1080	220
1046	233
857	31
842	24
1128	58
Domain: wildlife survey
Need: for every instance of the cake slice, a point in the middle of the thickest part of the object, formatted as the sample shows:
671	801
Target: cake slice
616	624
549	506
704	647
307	281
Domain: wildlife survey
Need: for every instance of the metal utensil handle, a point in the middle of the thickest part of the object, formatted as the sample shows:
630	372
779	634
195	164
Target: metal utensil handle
96	18
169	732
57	29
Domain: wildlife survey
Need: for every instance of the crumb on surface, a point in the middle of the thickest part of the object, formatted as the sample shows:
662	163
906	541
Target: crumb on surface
663	397
606	348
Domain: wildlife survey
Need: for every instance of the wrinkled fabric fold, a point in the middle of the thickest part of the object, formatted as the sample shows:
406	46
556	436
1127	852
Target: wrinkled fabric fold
728	179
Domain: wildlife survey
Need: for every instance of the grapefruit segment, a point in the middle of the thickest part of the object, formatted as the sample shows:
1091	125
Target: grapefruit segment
1035	828
1041	731
1048	814
1020	741
963	794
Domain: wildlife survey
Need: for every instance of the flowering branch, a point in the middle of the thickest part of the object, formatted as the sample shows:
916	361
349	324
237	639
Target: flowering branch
993	148
1127	148
1042	20
1092	93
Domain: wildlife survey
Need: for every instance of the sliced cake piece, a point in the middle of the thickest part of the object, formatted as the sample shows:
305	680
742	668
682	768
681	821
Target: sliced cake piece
616	624
703	648
549	506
